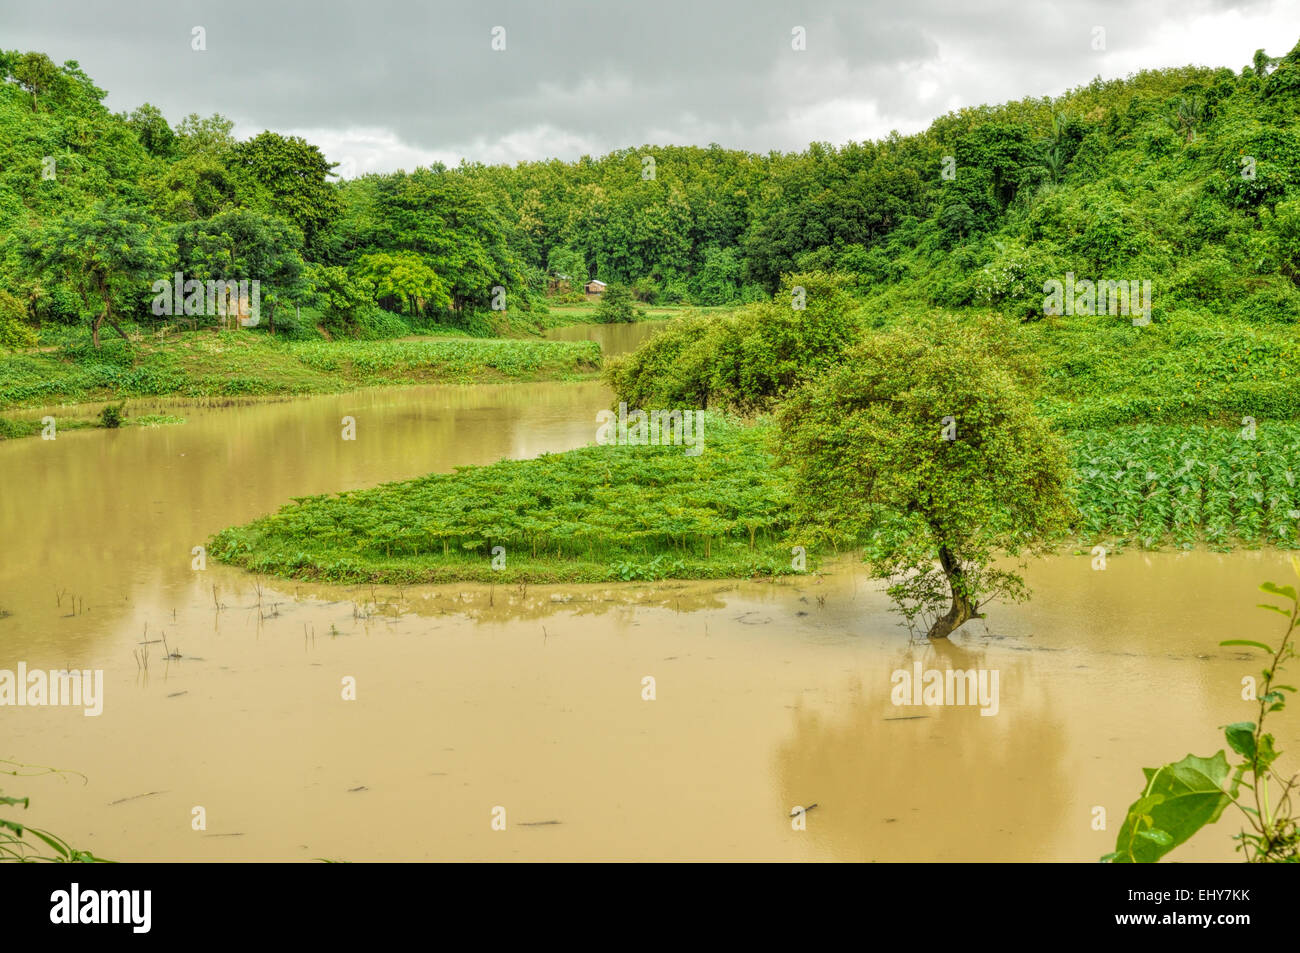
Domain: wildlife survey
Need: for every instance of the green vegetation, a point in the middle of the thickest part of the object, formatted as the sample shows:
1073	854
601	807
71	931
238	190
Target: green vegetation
599	513
642	512
1182	485
948	460
1182	797
1187	178
111	416
616	306
202	366
744	361
20	843
11	429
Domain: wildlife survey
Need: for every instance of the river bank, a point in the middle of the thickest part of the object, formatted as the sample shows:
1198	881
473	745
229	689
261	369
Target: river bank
202	368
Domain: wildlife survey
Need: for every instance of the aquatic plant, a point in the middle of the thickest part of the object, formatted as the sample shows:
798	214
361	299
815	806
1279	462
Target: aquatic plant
1184	796
16	844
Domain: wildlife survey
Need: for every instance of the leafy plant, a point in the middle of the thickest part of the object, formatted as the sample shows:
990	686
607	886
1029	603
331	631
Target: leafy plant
1182	797
111	416
16	845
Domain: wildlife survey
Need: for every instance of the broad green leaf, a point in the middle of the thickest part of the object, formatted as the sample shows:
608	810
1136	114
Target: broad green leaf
1267	753
1193	796
1257	645
1285	591
1241	738
1160	837
1236	781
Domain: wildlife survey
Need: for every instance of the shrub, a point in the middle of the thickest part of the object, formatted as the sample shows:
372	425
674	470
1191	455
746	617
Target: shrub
111	416
616	306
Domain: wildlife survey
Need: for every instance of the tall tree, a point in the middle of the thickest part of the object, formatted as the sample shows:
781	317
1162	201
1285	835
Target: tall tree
110	254
944	464
35	73
290	176
243	244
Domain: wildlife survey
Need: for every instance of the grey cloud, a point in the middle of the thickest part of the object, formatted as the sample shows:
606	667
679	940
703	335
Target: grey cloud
602	75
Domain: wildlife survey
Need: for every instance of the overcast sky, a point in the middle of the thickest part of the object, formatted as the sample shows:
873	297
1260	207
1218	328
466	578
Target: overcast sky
385	84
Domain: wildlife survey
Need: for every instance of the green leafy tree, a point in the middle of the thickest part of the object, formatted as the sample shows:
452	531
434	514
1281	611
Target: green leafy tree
243	244
616	305
36	73
211	136
155	134
719	277
406	277
347	304
567	264
109	253
944	463
291	176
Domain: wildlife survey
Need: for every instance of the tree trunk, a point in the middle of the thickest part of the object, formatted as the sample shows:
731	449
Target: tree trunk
108	316
962	609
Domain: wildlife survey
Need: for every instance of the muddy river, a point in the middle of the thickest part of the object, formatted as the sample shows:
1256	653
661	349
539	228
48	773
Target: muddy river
477	708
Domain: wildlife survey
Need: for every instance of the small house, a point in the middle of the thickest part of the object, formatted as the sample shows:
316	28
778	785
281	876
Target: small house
595	287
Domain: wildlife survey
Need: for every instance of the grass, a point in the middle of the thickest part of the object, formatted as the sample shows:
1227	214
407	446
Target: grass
605	513
1103	371
208	365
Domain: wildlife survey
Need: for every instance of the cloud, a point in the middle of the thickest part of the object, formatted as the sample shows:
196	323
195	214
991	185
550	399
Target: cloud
388	84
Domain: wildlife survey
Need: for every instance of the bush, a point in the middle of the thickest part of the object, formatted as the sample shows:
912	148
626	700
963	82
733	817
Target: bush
746	360
647	290
14	330
111	416
616	306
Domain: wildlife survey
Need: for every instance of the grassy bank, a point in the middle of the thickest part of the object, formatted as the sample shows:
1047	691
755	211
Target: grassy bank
202	365
621	513
11	429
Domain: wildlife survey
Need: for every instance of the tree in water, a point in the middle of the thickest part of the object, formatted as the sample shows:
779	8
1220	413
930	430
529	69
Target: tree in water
924	448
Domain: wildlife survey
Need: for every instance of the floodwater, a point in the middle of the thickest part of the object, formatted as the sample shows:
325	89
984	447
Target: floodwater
767	695
614	338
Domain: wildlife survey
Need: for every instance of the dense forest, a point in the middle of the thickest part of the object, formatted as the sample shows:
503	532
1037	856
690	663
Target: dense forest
1186	175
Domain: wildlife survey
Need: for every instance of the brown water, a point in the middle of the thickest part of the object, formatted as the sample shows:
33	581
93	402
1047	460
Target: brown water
614	338
768	695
